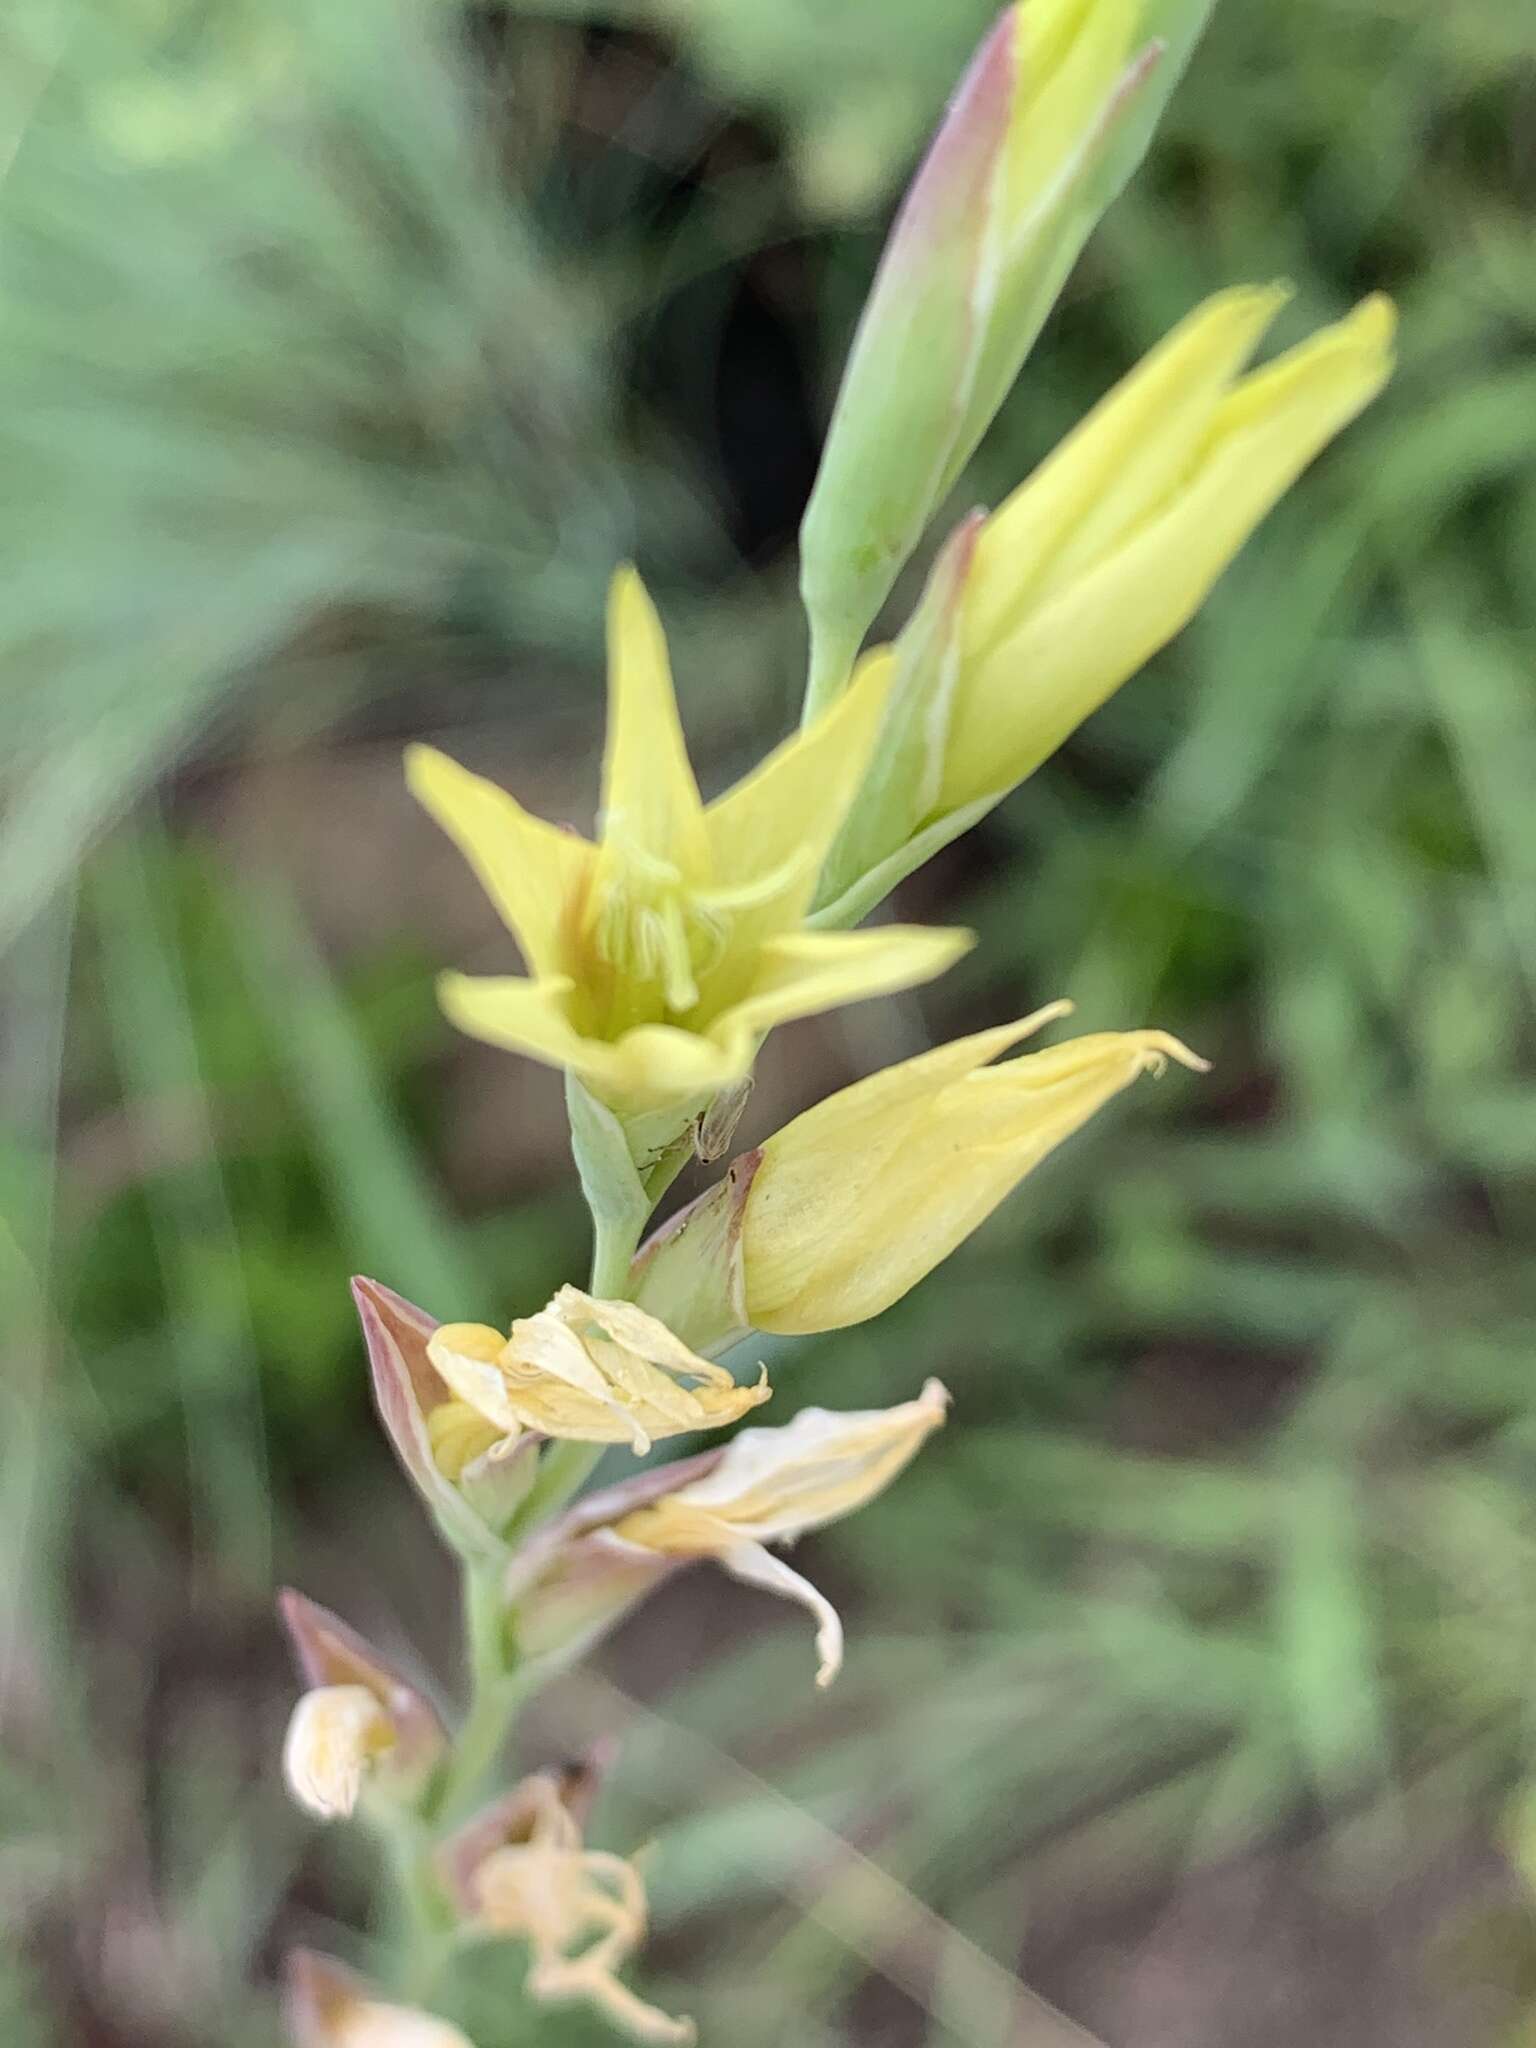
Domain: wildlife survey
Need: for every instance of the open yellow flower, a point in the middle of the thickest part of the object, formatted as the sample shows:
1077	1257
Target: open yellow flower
660	956
522	1870
601	1372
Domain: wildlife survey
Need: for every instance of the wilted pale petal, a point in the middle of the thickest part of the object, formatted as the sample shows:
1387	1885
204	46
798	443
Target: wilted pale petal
358	1714
755	1566
327	2006
594	1371
771	1485
581	1911
336	1735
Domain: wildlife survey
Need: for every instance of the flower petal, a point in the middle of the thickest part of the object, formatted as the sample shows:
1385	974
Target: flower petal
651	801
532	871
1028	693
803	973
1123	460
652	1065
784	816
468	1357
755	1566
774	1484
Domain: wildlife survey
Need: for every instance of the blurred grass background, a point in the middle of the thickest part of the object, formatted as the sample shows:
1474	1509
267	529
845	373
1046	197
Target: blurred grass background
1193	1669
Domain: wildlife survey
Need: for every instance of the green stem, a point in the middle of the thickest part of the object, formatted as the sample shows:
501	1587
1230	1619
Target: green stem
422	1926
832	660
495	1690
566	1467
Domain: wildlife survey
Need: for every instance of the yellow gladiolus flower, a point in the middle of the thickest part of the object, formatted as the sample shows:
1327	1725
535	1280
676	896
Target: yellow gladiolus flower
328	2007
582	1911
772	1485
659	957
601	1372
859	1198
1111	547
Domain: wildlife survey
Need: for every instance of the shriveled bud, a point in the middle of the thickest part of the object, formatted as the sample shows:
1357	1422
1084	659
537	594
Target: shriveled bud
522	1870
472	1475
358	1717
327	2006
1054	114
593	1371
335	1737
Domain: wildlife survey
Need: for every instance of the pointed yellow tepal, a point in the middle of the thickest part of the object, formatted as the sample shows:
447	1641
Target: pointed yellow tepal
660	956
858	1199
1112	546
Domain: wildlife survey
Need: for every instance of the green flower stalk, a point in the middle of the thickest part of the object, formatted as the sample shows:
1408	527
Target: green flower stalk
661	951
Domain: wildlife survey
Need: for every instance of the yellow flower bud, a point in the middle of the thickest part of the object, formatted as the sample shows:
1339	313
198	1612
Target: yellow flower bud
859	1198
1053	115
1033	617
328	2007
596	1371
1112	546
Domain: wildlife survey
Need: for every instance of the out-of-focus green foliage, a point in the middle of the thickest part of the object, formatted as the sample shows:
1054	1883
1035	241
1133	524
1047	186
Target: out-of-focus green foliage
338	347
